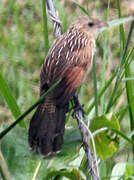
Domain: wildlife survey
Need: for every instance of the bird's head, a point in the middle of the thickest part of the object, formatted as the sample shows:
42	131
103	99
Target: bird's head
89	26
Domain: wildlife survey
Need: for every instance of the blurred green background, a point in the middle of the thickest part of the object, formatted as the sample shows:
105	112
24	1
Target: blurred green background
22	53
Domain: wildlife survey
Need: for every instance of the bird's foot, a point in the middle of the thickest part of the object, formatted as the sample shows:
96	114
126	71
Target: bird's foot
78	107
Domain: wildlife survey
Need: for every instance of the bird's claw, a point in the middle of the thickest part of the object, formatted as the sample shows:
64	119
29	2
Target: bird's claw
79	107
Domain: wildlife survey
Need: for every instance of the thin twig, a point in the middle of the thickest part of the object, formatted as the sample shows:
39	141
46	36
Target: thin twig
4	171
55	18
87	135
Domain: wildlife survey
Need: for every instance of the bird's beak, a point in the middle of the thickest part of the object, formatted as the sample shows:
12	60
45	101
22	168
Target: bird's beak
102	24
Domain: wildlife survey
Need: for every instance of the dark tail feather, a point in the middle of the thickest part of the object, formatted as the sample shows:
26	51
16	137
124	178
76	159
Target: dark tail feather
47	129
60	127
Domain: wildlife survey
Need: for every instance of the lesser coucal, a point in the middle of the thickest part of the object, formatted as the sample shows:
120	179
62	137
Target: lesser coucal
68	59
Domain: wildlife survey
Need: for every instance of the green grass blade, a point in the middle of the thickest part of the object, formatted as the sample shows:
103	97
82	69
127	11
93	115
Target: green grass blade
118	96
125	50
122	135
41	99
120	68
104	60
104	71
120	21
129	88
81	8
95	87
108	83
128	79
37	170
122	33
9	98
117	22
120	114
45	26
129	91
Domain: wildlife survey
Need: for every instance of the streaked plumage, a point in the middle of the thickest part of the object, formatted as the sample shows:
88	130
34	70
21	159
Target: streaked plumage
69	59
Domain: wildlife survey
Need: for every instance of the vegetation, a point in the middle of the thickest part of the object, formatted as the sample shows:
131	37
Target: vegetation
107	92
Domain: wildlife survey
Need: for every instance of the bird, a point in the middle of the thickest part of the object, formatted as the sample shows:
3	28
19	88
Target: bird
69	60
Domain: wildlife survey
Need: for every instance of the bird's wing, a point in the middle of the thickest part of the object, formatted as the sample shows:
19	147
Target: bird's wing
65	61
69	84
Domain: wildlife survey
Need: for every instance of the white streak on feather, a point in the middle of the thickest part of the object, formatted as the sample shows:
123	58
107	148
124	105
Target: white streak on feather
56	62
77	33
60	51
71	42
48	62
52	49
80	34
46	70
72	48
67	55
70	39
79	43
72	59
83	42
75	42
54	71
53	54
56	43
64	44
54	46
76	59
86	42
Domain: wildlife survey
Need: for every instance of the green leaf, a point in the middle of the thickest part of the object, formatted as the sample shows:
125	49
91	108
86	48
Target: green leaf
117	22
22	163
106	144
9	98
71	173
122	171
129	171
118	171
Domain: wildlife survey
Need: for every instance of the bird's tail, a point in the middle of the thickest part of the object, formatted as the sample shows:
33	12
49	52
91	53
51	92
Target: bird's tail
47	129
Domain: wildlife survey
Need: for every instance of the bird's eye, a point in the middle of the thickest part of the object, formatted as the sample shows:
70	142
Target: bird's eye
90	24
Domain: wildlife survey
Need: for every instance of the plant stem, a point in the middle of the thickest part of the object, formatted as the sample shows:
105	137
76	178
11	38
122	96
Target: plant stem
45	26
95	87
